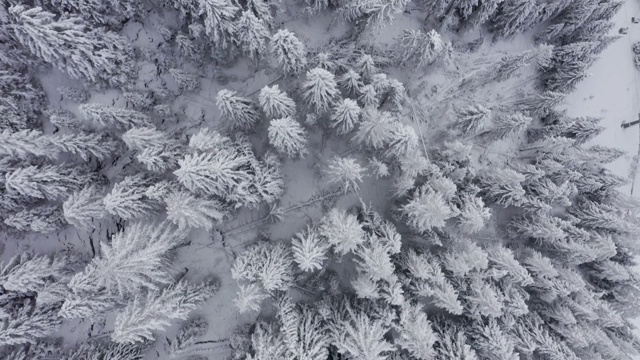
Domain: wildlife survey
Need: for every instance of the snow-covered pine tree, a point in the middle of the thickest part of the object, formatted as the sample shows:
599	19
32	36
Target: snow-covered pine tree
43	219
427	209
188	335
219	173
128	200
416	47
320	90
372	15
82	144
104	350
72	45
403	140
160	160
476	14
325	60
132	260
472	119
84	305
375	129
24	143
360	336
564	79
23	97
290	53
249	297
240	111
28	323
453	342
540	104
188	211
288	137
350	82
342	231
262	10
416	334
64	119
275	103
583	129
267	184
48	181
140	138
369	96
208	140
509	125
154	312
567	21
271	264
473	214
514	16
219	16
33	142
26	273
110	116
186	81
502	186
366	66
309	250
345	172
251	35
345	116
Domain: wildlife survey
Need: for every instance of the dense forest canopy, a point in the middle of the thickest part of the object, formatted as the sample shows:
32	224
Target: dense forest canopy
310	180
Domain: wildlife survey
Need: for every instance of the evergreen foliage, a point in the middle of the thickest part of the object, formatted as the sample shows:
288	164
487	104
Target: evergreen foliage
288	137
320	89
153	312
290	53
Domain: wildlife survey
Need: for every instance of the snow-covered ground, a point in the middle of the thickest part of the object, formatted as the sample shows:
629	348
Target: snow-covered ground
613	93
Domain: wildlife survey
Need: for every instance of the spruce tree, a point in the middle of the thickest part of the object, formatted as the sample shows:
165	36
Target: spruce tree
43	219
128	200
219	23
251	35
427	209
290	53
240	111
133	259
109	116
342	231
219	173
419	48
154	312
276	103
345	172
345	116
48	181
350	82
320	89
512	16
309	250
288	137
28	323
188	211
472	119
72	45
375	129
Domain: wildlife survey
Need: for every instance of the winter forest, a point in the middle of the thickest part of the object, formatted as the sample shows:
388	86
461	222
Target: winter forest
309	180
